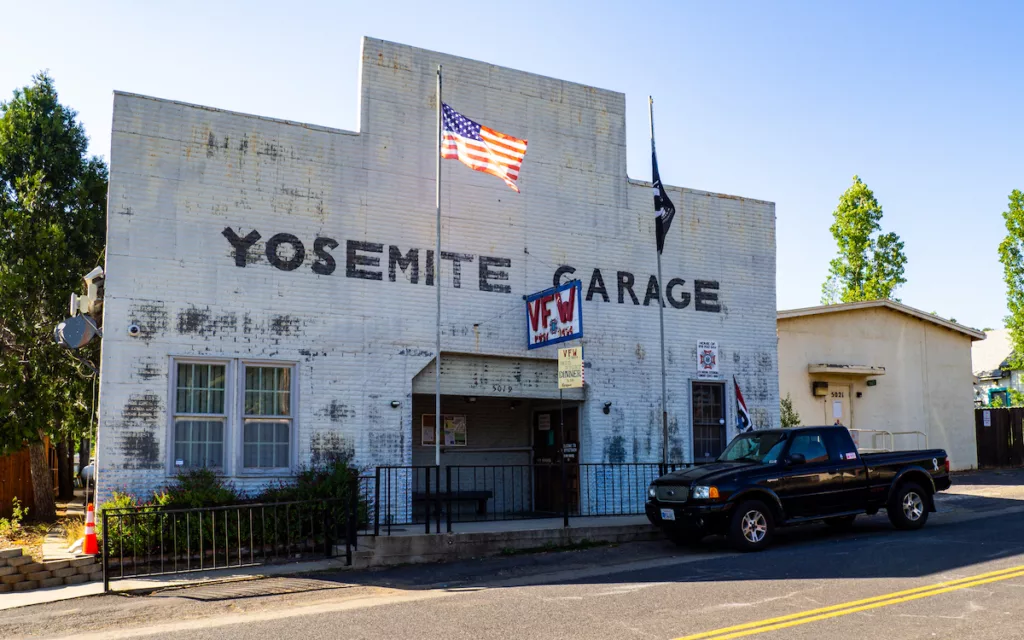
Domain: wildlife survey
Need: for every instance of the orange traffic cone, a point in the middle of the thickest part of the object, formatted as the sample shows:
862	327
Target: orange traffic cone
90	547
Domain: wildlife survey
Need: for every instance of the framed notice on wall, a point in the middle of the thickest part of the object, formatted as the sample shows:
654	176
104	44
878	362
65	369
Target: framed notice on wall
453	430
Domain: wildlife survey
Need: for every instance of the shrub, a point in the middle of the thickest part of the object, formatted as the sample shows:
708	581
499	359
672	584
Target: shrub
11	528
199	488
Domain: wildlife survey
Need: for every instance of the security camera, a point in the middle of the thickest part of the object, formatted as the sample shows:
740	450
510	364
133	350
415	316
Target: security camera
134	330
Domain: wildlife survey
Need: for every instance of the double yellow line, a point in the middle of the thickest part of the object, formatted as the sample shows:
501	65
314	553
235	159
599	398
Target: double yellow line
834	611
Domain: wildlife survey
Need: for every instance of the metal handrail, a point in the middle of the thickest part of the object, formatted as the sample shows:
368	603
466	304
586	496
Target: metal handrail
909	433
876	432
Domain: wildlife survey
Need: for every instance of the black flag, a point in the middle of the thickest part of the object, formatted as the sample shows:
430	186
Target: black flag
664	210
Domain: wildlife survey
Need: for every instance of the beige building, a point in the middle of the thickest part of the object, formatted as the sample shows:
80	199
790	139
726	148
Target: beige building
885	370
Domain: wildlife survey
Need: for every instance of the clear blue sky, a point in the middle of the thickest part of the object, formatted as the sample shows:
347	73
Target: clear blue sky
779	101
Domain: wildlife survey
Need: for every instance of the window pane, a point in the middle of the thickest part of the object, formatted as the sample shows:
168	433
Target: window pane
250	455
268	391
201	388
199	443
266	444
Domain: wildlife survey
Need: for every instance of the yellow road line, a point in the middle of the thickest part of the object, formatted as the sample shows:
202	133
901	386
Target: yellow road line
855	606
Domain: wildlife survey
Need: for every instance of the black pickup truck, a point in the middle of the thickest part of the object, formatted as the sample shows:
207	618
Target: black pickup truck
778	477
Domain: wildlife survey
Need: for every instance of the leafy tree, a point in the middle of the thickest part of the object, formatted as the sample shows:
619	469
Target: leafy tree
1016	398
870	263
52	212
787	415
1011	254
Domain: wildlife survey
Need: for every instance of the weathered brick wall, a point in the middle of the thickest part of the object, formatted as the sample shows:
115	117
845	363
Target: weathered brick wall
191	187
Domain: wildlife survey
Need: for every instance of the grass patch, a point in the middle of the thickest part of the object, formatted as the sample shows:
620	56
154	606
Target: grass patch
74	528
579	545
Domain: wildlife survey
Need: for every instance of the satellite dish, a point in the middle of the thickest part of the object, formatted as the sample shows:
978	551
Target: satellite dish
76	332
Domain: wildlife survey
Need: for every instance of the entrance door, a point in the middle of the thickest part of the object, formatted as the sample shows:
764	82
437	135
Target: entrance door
837	407
708	400
548	444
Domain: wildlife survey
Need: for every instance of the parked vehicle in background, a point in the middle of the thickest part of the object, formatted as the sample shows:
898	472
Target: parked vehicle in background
778	477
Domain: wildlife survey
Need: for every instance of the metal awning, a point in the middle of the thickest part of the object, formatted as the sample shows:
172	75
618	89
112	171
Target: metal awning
846	369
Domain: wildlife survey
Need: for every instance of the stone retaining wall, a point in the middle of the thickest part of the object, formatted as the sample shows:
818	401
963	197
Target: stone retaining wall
19	572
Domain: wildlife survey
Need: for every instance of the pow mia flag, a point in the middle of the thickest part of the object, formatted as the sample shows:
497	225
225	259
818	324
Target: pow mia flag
664	210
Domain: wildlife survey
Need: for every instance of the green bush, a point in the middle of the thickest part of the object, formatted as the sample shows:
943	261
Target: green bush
200	488
153	530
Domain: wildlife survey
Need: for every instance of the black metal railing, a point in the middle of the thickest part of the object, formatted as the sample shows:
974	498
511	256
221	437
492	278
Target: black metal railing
617	489
424	495
368	505
406	495
151	541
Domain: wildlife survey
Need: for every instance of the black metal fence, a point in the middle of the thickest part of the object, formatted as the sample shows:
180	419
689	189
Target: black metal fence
406	496
150	541
424	496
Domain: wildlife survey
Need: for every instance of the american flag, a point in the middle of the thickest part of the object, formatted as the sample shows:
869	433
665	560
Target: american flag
481	148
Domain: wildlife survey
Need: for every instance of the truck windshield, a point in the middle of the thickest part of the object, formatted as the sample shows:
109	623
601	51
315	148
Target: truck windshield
763	448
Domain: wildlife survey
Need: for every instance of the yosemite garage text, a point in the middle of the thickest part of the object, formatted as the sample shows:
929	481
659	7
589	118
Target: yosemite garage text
365	260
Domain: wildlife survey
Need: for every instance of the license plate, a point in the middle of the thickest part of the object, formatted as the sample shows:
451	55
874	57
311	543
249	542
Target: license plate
668	514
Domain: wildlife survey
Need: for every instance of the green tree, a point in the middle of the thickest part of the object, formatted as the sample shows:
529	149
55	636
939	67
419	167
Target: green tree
1011	254
52	212
870	263
787	415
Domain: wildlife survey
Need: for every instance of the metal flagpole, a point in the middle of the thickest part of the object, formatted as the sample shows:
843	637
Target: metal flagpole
661	321
437	285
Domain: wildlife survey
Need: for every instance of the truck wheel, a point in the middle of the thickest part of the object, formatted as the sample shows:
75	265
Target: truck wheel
751	527
908	507
841	523
690	538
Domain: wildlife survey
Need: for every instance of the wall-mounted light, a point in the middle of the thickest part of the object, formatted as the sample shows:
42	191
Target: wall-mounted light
607	408
395	404
469	398
871	382
819	389
512	405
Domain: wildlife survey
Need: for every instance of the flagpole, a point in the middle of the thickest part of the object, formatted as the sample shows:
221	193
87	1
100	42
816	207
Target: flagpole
437	286
661	320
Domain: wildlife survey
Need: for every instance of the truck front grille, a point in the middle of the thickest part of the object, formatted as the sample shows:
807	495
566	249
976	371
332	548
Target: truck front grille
671	494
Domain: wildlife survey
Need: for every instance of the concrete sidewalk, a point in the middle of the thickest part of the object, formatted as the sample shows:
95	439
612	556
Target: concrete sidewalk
155	583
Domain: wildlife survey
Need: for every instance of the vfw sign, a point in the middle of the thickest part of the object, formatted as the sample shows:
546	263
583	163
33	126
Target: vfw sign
554	315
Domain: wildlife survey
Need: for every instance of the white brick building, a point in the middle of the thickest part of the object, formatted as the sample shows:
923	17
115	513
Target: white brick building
280	279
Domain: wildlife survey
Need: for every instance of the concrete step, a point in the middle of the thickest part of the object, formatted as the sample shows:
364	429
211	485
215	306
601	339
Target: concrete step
410	548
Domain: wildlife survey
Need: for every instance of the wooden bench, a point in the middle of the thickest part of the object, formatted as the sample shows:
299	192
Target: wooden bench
480	497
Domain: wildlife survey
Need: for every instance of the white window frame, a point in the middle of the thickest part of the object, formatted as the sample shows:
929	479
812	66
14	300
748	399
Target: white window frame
239	438
173	415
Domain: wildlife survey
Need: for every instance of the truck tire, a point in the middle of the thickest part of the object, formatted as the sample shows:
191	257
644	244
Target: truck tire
842	523
908	507
752	526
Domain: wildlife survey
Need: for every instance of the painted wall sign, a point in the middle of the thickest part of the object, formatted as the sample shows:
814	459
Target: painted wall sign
554	315
707	360
570	368
379	261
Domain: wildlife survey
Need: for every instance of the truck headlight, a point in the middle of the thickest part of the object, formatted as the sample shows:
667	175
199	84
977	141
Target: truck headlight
651	493
705	493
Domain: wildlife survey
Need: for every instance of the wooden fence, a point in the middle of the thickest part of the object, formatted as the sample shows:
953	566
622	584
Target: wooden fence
1000	437
16	479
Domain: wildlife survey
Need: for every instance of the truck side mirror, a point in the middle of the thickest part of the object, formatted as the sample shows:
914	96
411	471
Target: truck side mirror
797	458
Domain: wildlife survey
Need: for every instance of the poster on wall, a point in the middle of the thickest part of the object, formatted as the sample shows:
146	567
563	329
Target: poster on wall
453	430
707	360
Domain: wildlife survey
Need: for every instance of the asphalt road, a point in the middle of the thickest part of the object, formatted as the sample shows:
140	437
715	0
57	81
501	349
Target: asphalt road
960	577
